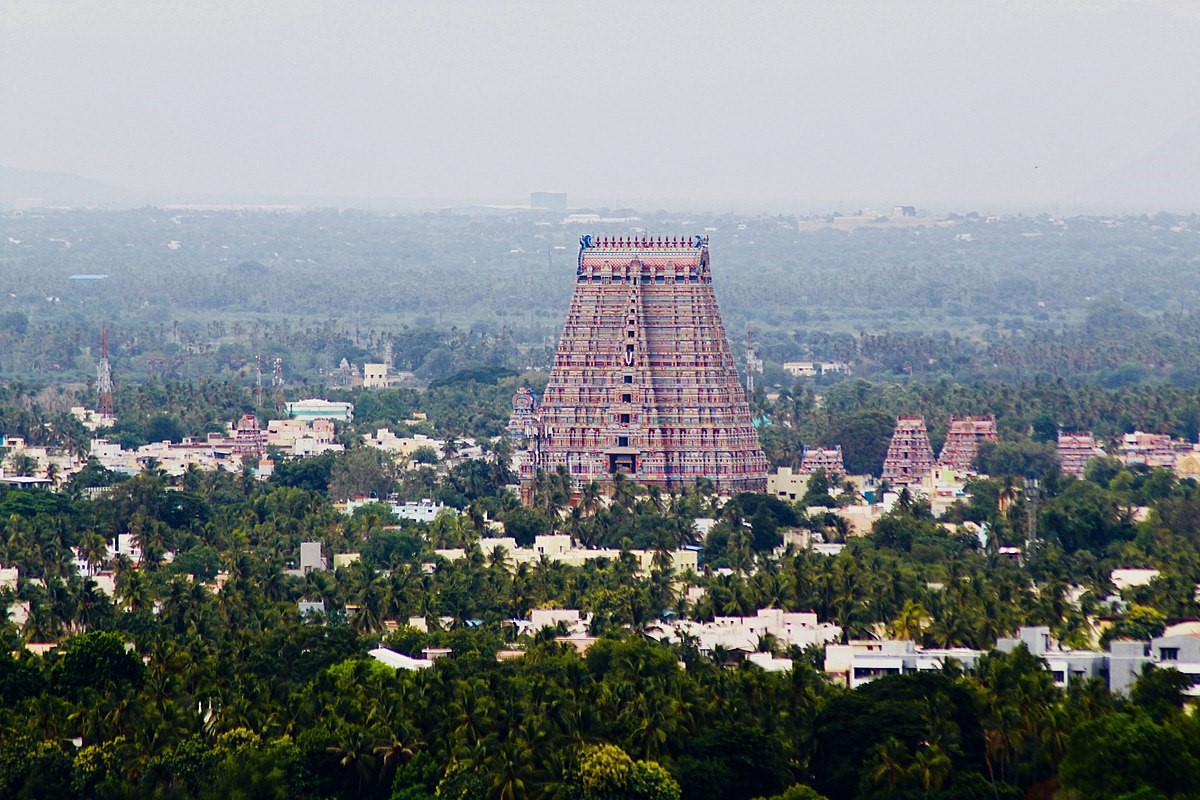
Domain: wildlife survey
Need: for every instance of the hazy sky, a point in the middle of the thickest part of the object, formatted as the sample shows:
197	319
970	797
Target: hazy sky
799	104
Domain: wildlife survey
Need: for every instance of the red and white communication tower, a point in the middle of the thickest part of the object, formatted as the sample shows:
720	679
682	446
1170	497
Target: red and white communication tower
104	381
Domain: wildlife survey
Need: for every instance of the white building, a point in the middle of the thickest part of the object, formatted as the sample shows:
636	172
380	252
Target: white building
310	558
1180	652
746	634
560	548
314	408
861	662
1128	578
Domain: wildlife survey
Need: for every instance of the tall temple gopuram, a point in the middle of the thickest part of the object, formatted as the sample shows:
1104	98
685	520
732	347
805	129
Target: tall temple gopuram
643	381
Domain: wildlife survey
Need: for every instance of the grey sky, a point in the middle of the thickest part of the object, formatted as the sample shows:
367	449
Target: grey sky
789	105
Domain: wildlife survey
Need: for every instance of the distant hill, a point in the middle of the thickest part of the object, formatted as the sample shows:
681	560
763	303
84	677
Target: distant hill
22	188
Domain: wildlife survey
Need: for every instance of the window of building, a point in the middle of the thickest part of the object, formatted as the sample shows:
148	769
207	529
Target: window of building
624	419
622	441
629	379
1168	654
627	398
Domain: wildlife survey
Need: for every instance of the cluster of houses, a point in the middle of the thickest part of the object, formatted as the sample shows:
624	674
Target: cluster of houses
307	430
860	662
557	548
760	639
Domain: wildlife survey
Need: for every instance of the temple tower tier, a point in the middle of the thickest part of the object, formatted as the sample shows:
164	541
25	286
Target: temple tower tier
644	381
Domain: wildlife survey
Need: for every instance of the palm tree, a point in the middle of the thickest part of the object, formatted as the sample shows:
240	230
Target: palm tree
94	550
590	498
931	766
624	492
912	622
133	590
891	762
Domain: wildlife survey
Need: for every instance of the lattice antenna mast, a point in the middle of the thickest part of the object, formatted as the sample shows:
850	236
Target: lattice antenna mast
104	381
277	382
753	362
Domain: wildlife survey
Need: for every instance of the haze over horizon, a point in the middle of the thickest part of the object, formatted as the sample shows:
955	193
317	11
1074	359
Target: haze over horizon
1073	105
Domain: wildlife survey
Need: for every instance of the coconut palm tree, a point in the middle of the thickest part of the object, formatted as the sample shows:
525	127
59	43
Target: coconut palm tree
891	762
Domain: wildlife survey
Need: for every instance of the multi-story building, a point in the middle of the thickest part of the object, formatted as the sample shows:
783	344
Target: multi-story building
314	408
1127	659
860	662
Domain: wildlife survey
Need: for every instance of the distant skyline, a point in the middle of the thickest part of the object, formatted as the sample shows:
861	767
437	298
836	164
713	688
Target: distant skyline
1072	105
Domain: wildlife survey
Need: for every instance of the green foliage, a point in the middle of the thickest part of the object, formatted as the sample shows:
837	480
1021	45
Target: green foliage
250	768
230	672
363	472
203	561
98	660
864	439
1084	517
387	548
607	773
797	791
734	760
30	503
20	678
461	782
1161	692
1140	623
311	474
1018	458
425	455
1123	753
31	769
912	713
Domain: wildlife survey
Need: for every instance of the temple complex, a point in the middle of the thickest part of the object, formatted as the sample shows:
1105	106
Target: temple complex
643	381
962	442
909	456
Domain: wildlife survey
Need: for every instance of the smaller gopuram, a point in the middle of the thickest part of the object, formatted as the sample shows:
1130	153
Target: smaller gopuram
909	456
826	458
963	440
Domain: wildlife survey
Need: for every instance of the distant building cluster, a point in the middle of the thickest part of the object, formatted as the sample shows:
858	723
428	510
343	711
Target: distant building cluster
560	548
812	369
374	375
752	638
